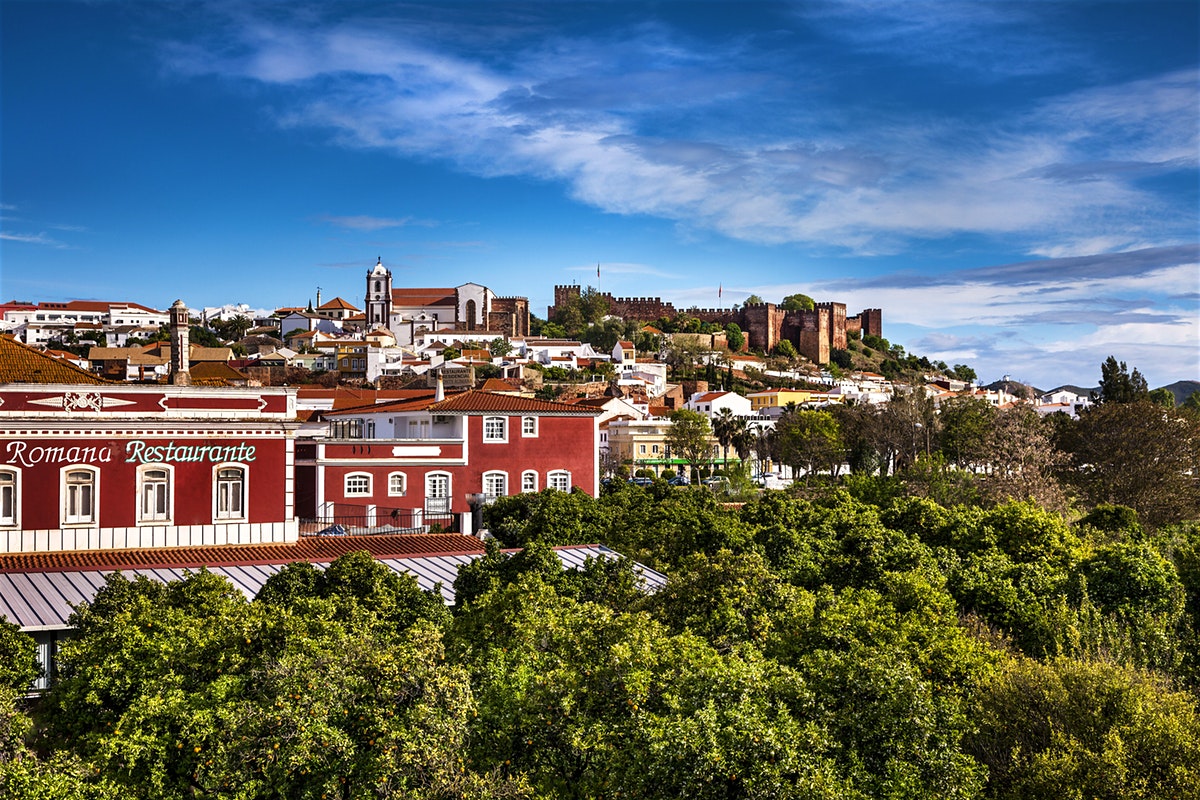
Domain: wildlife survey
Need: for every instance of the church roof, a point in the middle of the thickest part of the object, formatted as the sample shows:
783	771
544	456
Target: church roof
20	363
423	297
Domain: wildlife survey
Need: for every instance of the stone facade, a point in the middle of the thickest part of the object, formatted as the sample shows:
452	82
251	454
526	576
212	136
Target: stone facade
815	333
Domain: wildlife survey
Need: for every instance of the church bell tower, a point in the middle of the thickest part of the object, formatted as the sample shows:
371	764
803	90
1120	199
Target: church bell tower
379	297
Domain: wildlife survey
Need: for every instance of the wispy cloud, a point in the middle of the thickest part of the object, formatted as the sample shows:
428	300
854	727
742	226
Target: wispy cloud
369	223
574	110
33	238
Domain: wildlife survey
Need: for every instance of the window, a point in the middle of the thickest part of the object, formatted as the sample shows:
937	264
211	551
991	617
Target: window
559	479
397	484
642	449
529	481
494	429
529	426
8	497
231	493
495	484
437	492
346	429
654	449
79	497
154	495
358	484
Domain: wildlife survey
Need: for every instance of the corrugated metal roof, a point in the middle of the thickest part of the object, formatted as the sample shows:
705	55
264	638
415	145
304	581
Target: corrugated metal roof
41	600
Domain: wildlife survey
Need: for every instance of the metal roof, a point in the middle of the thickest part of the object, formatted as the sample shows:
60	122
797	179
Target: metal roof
44	600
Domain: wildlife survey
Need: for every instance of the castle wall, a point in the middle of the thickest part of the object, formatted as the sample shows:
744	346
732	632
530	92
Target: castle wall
814	333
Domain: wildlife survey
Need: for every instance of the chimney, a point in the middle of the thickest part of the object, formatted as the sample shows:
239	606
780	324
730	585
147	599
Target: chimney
180	348
439	394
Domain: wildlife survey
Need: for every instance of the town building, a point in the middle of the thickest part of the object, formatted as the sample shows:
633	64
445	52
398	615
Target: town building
468	308
432	460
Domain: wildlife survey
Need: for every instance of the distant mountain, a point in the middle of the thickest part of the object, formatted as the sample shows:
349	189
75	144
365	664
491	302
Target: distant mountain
1182	390
1015	388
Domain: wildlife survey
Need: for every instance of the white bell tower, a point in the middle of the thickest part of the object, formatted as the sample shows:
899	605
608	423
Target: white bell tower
379	297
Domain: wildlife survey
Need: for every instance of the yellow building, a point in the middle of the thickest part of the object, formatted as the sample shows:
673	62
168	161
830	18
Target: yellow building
776	398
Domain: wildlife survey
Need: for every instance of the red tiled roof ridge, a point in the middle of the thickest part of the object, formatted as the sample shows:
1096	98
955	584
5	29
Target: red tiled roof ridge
479	401
311	549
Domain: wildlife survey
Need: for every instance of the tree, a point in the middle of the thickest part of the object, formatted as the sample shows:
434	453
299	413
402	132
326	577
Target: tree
965	426
1117	385
1105	731
690	437
734	337
1137	454
727	429
1163	396
753	300
964	373
785	349
809	441
797	302
1022	460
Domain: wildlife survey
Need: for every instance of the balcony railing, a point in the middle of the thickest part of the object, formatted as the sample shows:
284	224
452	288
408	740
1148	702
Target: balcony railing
344	519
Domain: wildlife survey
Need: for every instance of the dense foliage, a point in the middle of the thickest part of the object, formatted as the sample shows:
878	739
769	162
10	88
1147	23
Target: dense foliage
837	646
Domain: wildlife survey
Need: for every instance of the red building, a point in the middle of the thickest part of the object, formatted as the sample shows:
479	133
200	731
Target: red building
418	461
85	464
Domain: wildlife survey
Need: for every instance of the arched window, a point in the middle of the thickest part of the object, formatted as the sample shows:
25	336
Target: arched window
437	492
358	484
529	481
470	315
10	487
559	479
230	493
80	496
495	429
397	484
495	484
154	493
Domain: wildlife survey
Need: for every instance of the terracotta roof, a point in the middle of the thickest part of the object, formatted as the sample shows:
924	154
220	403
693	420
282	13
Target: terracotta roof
338	302
477	402
218	371
313	549
423	297
20	363
497	385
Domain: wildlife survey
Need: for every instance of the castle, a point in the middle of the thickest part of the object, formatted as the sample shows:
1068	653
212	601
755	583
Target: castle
815	333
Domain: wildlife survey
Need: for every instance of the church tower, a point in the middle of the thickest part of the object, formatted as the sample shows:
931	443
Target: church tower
379	297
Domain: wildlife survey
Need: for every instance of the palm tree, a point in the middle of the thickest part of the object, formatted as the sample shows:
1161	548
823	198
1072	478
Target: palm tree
727	428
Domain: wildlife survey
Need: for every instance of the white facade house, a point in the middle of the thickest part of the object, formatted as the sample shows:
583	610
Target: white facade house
712	403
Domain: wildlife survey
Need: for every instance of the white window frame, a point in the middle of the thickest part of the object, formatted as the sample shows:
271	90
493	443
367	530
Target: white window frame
165	513
400	478
10	497
440	478
493	435
555	477
529	427
498	480
221	510
357	484
70	496
529	481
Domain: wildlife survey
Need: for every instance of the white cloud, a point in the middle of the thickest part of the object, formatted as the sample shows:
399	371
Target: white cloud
32	238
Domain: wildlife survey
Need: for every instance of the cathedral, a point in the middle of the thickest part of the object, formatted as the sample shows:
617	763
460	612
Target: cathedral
466	308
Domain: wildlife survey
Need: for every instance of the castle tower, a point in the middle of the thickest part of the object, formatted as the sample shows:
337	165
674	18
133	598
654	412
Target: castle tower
180	347
379	297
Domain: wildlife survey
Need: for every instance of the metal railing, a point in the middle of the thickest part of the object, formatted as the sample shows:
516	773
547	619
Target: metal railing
344	519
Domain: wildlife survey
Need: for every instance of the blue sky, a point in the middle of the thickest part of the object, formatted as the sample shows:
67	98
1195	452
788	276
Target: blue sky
1015	184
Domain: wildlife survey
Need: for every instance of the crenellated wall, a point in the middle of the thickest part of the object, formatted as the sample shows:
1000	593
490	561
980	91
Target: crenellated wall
814	333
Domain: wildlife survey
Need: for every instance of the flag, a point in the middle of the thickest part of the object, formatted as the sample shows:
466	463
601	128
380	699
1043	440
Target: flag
719	291
597	271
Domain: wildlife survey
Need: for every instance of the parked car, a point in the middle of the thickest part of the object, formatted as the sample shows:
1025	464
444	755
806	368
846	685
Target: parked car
680	480
642	481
